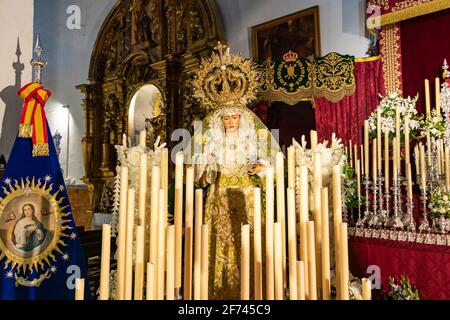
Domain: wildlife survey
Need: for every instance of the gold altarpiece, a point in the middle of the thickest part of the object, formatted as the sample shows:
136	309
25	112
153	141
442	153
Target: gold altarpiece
159	42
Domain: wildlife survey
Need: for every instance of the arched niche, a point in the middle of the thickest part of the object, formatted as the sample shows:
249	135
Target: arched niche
144	111
157	42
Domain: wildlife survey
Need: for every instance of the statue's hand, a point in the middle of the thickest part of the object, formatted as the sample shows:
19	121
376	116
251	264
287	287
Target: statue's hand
157	146
256	169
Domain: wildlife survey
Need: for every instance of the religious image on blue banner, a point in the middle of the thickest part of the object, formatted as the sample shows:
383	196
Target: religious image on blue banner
40	250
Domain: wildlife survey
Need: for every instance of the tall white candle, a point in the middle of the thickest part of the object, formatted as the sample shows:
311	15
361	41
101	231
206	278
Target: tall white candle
205	265
386	160
438	96
189	228
139	265
337	219
427	98
143	138
142	188
343	233
105	262
281	208
312	295
270	281
366	147
150	284
304	218
407	147
198	242
398	136
291	167
170	291
379	165
245	262
160	266
317	175
278	262
178	217
154	215
423	174
301	280
121	250
257	257
366	289
326	277
129	246
313	135
79	289
292	237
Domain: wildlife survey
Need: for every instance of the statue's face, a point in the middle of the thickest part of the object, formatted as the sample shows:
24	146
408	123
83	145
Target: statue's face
231	122
28	211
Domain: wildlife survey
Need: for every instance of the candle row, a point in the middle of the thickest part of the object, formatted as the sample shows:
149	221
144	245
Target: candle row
306	276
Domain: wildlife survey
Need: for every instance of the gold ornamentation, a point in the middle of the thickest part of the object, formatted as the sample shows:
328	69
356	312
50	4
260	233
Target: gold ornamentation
25	130
391	55
409	9
40	150
334	77
41	190
226	79
228	181
368	59
20	281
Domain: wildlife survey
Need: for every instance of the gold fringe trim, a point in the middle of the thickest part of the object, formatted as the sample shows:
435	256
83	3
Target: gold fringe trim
40	150
25	130
415	10
368	59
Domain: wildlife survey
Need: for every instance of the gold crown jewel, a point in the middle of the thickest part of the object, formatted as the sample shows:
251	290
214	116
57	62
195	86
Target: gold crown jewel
226	79
290	56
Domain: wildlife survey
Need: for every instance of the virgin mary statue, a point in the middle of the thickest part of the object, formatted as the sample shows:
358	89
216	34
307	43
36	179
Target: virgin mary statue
231	150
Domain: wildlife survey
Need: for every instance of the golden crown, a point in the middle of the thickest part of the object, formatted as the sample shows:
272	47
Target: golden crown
226	79
290	56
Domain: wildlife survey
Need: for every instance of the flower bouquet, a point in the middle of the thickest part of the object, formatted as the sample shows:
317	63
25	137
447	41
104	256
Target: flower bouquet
435	125
439	203
403	290
388	105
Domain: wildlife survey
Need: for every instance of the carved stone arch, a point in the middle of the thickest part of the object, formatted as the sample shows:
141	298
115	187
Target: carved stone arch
157	42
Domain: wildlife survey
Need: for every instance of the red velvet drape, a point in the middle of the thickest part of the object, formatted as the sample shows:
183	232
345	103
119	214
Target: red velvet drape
346	118
425	45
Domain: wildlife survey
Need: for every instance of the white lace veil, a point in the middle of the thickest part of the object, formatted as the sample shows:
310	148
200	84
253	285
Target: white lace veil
254	139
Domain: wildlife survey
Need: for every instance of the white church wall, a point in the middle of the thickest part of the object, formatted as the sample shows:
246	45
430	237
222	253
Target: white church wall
69	43
341	22
16	19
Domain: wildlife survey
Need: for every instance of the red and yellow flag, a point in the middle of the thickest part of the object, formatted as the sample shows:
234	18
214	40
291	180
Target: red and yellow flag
33	123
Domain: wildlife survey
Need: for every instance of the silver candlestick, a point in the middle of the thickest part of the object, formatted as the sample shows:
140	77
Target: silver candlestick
396	221
381	210
38	63
374	219
425	225
366	193
408	218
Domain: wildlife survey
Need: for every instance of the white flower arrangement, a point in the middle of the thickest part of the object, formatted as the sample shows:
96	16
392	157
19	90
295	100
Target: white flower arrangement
439	203
435	125
388	105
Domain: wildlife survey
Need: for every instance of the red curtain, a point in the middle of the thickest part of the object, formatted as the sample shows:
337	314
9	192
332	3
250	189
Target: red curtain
425	45
346	118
